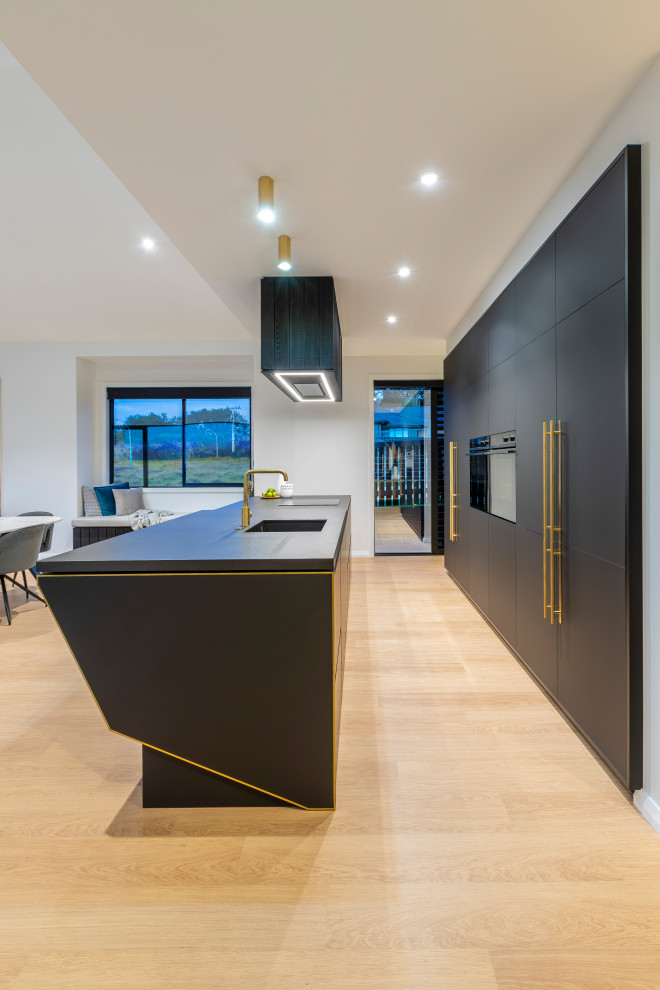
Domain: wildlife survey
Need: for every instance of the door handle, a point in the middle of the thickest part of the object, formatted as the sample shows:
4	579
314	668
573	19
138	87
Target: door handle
453	449
557	533
552	522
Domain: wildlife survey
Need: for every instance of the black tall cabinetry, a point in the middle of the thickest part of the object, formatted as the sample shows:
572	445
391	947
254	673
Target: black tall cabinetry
563	343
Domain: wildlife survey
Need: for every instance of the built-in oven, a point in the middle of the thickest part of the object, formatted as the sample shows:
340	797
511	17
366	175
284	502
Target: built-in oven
493	474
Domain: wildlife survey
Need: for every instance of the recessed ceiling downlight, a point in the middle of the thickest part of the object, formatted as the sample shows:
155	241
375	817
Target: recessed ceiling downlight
148	243
391	318
404	272
428	178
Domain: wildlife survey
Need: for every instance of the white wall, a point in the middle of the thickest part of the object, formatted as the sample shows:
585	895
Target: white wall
167	370
85	422
637	121
54	426
39	431
52	417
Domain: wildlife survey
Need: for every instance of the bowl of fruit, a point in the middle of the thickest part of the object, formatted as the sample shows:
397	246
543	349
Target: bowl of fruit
270	493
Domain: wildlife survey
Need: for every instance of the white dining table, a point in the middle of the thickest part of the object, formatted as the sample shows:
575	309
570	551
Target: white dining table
9	523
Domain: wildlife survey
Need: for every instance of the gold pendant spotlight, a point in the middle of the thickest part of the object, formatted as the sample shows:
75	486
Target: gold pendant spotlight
266	213
284	252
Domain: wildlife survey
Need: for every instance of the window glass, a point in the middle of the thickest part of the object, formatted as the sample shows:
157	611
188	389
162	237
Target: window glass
161	439
165	455
217	440
128	456
402	470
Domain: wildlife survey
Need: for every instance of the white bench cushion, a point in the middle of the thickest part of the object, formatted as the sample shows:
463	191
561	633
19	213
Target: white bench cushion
98	521
102	521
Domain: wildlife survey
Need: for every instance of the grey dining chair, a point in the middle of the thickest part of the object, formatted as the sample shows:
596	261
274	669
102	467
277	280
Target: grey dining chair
47	541
19	551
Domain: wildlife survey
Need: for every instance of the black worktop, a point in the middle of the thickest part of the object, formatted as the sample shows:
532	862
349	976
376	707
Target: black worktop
208	541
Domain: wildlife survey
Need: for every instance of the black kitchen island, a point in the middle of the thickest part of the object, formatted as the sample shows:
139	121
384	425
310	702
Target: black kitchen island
220	650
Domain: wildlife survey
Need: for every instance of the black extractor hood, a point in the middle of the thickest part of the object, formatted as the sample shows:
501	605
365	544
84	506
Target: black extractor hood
301	337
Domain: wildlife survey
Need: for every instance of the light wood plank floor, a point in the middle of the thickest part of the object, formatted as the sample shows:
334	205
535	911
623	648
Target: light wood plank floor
477	843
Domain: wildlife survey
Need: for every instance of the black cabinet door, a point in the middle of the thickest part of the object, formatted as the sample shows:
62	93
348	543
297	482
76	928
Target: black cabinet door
457	560
536	386
535	295
450	373
502	397
450	546
474	417
592	668
591	404
536	637
450	436
479	557
502	577
501	319
457	364
591	243
457	552
478	337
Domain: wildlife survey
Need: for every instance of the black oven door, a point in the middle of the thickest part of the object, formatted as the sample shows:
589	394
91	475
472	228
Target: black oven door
493	475
479	481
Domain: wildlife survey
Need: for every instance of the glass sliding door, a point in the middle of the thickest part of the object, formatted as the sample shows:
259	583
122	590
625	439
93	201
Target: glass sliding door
407	473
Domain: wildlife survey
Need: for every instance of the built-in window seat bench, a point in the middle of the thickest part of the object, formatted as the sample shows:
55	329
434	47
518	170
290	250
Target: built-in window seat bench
93	526
93	529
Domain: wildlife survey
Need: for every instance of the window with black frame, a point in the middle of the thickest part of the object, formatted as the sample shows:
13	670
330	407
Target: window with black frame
179	437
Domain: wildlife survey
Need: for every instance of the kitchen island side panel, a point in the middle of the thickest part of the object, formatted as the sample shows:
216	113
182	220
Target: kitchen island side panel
231	672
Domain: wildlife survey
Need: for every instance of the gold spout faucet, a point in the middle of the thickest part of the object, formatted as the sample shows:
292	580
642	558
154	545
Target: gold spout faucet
246	512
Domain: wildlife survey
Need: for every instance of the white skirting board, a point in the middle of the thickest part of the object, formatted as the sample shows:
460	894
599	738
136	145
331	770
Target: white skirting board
648	808
361	553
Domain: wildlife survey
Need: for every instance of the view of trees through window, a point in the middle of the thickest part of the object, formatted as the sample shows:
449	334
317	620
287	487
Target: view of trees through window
170	438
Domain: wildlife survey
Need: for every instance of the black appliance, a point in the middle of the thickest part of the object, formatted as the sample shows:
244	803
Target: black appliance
493	474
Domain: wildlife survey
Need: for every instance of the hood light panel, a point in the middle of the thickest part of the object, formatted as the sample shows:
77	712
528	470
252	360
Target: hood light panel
289	378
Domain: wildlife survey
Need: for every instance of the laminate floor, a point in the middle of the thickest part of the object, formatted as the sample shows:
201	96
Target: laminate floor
477	844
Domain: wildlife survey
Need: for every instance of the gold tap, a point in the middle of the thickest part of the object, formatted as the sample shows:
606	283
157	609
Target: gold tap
246	513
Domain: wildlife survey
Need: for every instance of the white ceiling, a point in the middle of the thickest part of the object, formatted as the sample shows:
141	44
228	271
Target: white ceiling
70	262
344	104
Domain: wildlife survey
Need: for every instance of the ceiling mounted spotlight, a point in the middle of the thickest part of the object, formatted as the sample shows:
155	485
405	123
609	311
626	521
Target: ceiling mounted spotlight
148	243
428	178
404	272
266	199
391	319
284	252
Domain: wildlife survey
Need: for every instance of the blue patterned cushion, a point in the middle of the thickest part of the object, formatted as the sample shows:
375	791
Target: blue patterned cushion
107	499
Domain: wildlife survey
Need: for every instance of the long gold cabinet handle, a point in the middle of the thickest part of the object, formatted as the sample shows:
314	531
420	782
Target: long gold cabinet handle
545	521
552	522
558	536
453	497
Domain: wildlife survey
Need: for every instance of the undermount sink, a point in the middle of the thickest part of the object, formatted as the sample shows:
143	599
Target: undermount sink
288	526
